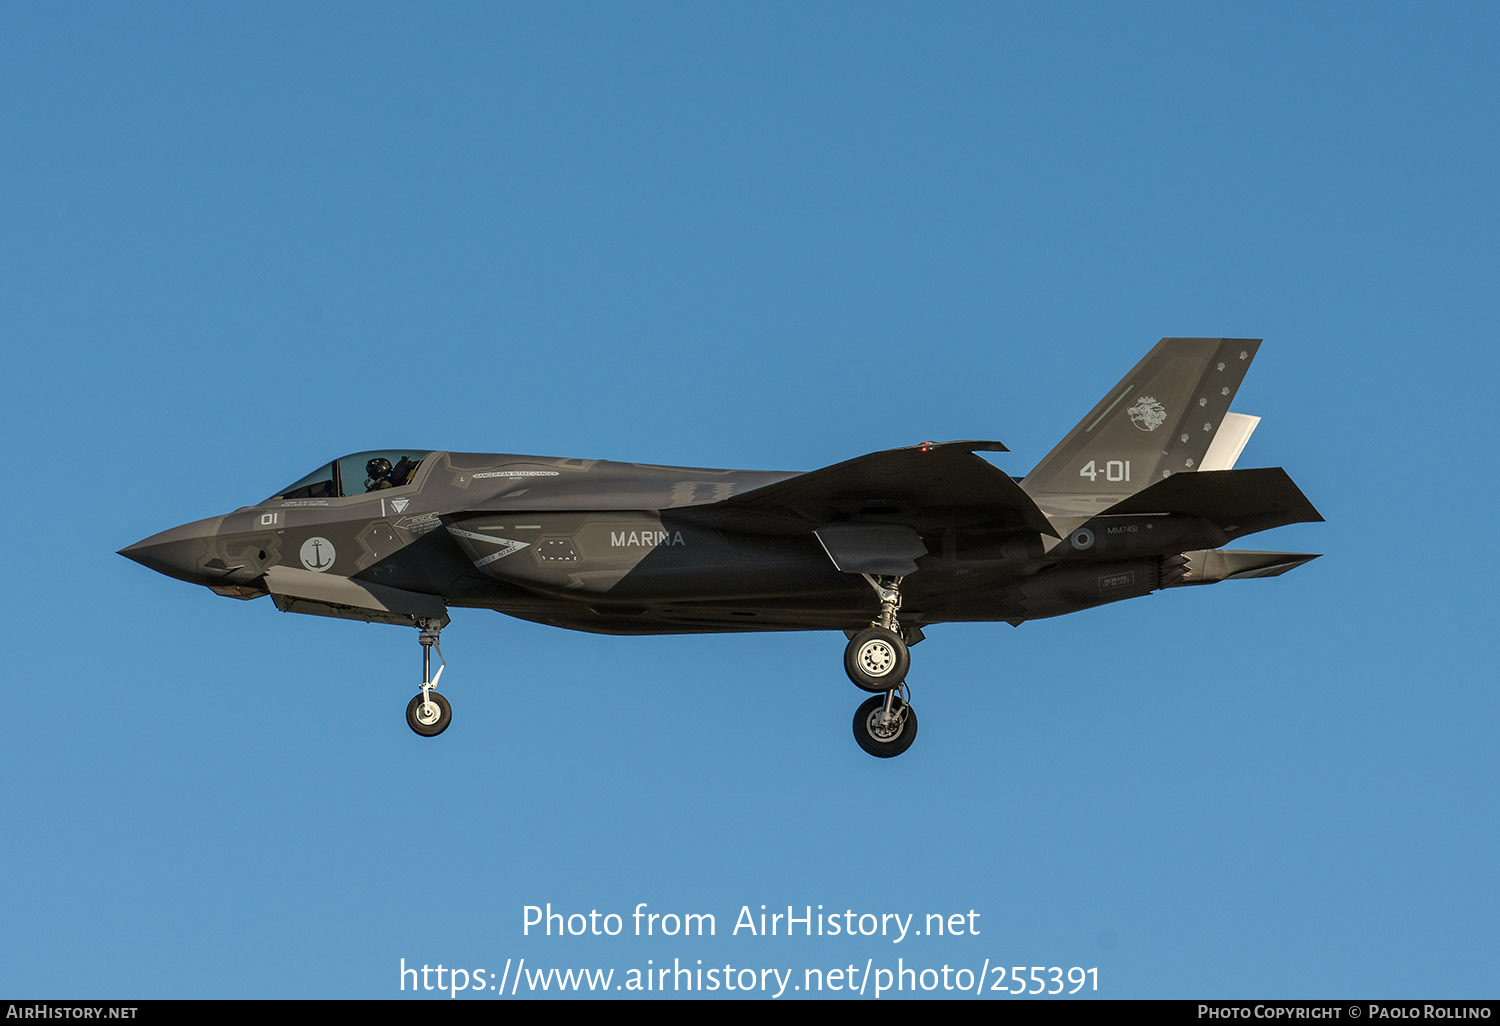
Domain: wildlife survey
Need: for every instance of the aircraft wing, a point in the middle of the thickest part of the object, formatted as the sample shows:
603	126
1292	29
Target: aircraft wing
924	487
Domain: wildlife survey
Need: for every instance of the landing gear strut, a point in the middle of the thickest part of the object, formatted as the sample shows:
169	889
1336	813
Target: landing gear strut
876	660
429	713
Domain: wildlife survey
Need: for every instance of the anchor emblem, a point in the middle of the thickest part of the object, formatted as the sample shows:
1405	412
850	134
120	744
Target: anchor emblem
318	554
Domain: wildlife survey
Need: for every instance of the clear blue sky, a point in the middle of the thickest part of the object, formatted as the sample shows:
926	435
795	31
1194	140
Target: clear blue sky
242	239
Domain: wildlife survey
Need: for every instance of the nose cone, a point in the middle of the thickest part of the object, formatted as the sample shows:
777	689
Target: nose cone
180	552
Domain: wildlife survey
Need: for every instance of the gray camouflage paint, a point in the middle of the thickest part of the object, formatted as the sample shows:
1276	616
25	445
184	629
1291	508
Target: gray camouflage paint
1118	509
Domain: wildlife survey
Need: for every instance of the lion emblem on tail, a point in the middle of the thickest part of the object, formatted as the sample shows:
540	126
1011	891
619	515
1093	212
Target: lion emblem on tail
1147	414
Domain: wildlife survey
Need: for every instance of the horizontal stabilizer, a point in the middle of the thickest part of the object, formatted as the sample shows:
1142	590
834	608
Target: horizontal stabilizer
1209	566
937	484
1239	502
303	591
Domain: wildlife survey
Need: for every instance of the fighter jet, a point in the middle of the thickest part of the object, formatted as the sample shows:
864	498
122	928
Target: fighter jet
1141	495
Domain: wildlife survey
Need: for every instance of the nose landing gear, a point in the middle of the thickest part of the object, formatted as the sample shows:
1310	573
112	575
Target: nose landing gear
429	712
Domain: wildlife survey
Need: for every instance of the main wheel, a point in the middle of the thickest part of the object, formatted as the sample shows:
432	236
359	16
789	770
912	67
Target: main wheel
429	719
882	737
876	660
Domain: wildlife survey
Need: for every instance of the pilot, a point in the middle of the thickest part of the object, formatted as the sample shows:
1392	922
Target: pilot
378	474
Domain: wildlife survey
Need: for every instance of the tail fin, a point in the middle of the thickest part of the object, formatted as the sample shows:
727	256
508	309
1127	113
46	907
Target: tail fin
1159	420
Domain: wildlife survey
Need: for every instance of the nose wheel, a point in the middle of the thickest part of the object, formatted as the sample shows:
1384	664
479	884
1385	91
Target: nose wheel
429	712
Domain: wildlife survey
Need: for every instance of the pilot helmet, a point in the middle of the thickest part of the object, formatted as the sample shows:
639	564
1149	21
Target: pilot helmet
378	468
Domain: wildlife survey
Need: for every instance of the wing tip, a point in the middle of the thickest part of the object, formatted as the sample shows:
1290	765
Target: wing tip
969	445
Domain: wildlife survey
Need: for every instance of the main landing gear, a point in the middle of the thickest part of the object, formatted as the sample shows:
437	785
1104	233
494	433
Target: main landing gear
886	725
876	660
429	712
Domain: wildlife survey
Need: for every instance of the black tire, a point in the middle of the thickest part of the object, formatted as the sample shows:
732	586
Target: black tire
876	660
433	729
884	745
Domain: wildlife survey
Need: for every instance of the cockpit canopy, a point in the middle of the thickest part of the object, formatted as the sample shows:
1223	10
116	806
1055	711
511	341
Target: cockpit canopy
357	474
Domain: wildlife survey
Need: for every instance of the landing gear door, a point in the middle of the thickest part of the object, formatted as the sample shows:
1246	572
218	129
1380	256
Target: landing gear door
885	550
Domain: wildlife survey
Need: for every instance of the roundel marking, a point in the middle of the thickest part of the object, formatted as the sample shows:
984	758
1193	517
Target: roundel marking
317	554
1082	538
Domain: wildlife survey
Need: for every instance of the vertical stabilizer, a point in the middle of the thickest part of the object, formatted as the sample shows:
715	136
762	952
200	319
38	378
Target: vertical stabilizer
1159	420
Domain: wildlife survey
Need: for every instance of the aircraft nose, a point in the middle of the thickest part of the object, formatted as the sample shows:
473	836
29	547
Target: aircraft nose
178	552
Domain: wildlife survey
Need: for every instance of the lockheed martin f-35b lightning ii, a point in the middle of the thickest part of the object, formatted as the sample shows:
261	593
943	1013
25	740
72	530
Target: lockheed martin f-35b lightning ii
1141	495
